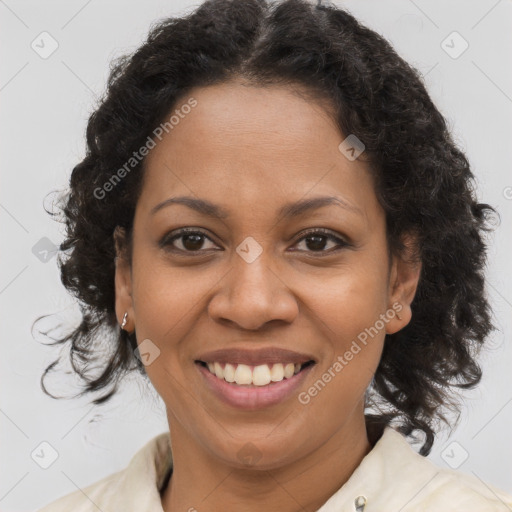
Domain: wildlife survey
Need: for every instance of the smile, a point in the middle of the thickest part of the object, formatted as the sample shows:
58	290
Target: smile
252	386
260	375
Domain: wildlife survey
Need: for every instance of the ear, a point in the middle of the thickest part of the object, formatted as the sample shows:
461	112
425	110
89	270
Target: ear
404	277
123	281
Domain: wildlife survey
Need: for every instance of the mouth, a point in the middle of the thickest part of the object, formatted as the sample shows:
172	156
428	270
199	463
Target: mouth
254	379
261	375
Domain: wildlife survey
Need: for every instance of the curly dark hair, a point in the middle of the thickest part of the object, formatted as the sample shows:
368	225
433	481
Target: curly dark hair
423	182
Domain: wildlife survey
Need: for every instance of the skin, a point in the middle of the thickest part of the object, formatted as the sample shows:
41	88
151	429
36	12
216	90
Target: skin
250	150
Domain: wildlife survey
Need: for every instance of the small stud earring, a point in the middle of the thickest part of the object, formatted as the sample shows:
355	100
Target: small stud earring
123	323
398	316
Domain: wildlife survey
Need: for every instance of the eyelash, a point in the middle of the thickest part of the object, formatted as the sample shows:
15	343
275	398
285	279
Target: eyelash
167	242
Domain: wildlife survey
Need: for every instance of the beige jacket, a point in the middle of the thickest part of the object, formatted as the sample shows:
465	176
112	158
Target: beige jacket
392	477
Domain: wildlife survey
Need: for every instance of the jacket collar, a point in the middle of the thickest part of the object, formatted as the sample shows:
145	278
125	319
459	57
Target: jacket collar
392	476
391	460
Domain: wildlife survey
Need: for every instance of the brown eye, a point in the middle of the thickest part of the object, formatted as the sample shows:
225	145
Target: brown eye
187	241
192	242
316	242
321	241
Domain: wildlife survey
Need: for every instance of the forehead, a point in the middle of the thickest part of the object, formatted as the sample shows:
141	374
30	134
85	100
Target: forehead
252	145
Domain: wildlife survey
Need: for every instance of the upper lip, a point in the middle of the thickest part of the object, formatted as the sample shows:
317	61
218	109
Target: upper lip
255	357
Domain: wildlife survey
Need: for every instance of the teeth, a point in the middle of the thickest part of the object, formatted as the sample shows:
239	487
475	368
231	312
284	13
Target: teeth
229	373
289	370
243	374
277	372
218	370
260	375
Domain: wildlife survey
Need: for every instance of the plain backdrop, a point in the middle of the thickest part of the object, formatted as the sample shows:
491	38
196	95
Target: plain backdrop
45	103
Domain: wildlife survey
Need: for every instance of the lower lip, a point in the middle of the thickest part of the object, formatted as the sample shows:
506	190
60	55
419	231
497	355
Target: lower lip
253	397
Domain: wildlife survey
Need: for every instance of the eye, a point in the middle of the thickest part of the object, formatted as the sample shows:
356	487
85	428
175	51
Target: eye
318	240
187	240
190	240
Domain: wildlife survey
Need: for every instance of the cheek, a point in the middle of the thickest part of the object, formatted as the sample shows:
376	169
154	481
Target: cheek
165	307
355	339
165	299
348	300
346	306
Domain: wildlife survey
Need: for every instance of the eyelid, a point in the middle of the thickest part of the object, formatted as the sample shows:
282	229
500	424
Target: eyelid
168	238
340	240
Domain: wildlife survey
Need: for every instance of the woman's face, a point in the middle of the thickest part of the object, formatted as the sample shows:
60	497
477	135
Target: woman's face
256	286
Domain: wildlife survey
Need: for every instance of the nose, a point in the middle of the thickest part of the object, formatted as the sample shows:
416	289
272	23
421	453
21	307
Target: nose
252	296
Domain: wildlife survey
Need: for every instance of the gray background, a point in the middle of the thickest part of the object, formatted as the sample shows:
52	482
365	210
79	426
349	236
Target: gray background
44	107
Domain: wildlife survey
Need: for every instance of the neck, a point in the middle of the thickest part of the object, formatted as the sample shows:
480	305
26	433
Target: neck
204	483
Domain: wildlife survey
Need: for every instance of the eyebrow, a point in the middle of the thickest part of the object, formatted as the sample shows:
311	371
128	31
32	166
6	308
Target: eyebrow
286	211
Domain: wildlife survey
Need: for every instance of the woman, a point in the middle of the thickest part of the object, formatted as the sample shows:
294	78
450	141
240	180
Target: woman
274	225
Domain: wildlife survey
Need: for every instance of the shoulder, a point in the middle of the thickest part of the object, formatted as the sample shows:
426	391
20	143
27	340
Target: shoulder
136	487
393	476
96	496
420	485
452	490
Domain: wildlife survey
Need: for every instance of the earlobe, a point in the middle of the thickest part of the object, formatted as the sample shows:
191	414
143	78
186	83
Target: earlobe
404	278
122	282
123	302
